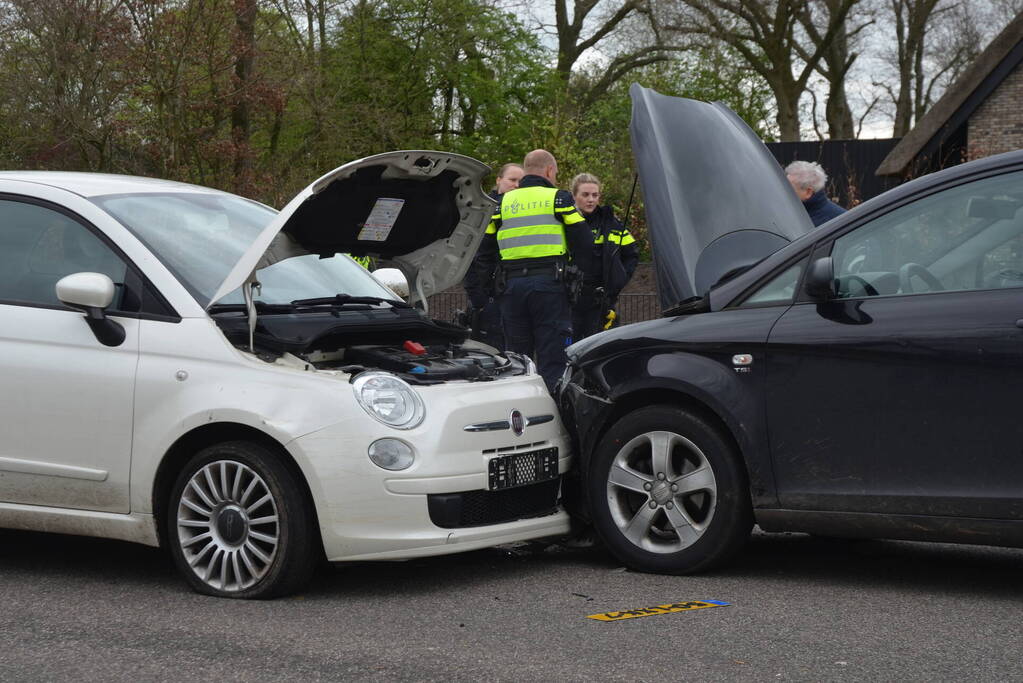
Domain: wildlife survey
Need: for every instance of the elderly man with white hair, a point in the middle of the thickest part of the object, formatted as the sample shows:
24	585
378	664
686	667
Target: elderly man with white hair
808	179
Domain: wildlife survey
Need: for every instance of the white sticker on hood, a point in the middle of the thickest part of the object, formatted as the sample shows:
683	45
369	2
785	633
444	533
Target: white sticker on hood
381	219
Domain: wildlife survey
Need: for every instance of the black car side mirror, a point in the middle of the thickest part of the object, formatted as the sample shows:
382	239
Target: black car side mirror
820	280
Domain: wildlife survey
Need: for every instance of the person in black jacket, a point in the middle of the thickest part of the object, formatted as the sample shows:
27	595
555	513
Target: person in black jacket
484	315
535	240
808	179
611	266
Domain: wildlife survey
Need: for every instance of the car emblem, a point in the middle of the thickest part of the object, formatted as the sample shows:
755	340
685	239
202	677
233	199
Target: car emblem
518	423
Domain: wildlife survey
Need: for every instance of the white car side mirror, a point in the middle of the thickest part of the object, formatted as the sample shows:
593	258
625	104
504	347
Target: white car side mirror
394	280
91	293
85	290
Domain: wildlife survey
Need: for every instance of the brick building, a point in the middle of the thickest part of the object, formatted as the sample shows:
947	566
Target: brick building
979	115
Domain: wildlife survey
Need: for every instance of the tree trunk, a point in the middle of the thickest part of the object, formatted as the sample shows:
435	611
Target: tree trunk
912	20
838	61
241	124
840	120
788	117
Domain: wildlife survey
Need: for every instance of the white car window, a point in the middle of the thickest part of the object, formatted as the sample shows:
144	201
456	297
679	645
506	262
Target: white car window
966	237
39	246
308	277
199	237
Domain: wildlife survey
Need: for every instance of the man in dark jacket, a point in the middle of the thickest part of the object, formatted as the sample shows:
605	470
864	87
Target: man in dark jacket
808	179
484	314
534	236
611	265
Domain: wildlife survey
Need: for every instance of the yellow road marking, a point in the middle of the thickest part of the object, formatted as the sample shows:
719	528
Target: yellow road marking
658	609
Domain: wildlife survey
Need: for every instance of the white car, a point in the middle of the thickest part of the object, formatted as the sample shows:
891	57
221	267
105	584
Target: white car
242	391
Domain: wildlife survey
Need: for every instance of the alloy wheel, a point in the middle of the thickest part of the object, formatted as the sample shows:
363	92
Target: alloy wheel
661	492
228	525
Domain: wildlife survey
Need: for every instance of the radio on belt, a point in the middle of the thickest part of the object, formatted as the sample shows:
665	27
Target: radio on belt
414	348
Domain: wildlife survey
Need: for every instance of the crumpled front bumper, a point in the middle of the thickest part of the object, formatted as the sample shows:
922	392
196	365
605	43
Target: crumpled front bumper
368	513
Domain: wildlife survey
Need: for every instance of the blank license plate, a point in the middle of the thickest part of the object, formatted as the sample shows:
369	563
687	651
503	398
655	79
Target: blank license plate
519	469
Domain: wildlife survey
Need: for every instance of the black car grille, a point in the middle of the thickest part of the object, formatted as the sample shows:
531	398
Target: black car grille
479	508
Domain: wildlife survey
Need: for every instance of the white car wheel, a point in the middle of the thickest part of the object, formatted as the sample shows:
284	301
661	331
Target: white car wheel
239	524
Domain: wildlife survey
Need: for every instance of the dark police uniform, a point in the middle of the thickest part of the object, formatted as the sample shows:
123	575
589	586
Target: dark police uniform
484	310
606	273
532	236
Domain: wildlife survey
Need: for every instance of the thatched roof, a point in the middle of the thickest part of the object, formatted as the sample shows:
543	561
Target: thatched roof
961	99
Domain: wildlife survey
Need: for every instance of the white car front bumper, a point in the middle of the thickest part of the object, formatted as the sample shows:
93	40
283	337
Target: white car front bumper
368	513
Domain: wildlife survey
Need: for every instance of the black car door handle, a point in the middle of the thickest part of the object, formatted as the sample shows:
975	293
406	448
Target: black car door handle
1019	323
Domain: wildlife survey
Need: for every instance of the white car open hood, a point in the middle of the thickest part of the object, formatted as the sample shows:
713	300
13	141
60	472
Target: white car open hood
425	212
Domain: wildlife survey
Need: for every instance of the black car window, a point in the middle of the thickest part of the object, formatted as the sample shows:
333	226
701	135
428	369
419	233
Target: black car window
962	238
778	290
39	246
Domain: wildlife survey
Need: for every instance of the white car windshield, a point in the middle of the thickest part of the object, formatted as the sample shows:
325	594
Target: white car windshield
200	237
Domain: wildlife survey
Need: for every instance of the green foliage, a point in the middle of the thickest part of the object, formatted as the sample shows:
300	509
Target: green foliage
597	140
149	87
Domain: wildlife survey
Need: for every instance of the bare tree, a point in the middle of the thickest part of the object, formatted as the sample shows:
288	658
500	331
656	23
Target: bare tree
838	57
63	78
588	24
934	40
764	33
244	66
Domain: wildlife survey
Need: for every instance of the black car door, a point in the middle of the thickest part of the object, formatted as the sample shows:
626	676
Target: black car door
901	395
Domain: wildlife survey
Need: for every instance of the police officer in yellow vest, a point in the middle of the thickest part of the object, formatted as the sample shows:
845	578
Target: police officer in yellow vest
364	261
533	236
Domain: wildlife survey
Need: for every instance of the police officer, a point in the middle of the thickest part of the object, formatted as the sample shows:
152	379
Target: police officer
484	314
611	265
364	261
532	236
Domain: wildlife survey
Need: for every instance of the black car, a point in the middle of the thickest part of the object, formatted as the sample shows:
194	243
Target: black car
863	380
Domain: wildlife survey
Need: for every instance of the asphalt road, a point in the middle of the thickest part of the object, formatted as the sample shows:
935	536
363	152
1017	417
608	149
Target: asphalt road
801	608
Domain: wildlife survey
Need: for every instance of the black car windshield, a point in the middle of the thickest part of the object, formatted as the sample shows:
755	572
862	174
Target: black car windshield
199	237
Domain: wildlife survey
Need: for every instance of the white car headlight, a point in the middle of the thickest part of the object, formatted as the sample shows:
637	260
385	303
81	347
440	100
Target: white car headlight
391	454
389	400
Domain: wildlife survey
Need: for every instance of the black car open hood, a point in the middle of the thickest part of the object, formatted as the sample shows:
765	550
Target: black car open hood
716	200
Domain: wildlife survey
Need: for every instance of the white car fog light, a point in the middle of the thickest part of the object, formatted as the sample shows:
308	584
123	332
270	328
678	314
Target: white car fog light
391	454
389	399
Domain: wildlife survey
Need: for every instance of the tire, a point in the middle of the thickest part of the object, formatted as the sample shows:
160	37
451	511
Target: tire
691	519
239	524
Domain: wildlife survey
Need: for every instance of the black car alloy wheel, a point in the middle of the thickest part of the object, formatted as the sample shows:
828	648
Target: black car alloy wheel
668	493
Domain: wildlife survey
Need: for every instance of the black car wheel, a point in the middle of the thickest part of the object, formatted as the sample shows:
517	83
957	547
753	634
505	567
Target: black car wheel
239	524
668	493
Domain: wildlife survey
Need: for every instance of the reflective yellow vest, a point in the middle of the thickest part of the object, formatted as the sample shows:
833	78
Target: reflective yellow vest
530	225
621	237
364	261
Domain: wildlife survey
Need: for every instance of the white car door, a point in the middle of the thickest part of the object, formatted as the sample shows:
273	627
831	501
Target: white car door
65	398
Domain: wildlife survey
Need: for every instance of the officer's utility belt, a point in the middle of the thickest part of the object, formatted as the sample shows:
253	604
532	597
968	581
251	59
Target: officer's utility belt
553	267
512	273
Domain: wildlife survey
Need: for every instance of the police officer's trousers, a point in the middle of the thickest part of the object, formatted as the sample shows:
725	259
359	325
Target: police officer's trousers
588	318
537	320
